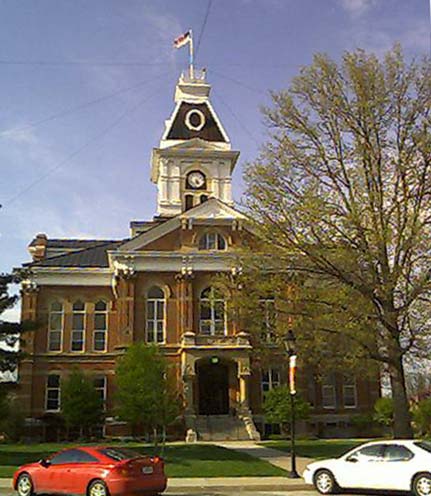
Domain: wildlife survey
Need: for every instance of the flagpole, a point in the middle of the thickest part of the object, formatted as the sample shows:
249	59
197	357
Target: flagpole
192	74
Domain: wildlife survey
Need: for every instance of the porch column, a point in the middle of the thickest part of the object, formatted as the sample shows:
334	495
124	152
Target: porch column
185	301
243	376
125	292
189	378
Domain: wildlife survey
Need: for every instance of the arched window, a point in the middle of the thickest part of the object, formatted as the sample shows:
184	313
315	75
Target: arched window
100	326
78	326
212	317
56	324
156	309
212	241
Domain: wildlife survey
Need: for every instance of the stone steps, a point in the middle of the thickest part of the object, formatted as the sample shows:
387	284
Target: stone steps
220	428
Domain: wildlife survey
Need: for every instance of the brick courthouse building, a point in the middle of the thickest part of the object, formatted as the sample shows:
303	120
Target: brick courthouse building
96	297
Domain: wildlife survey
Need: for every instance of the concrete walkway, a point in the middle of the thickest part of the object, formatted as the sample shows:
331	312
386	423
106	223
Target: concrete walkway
276	457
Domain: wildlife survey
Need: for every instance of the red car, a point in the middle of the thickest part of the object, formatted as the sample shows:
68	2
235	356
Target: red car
92	471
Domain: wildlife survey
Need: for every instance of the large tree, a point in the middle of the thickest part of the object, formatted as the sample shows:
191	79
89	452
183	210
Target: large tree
147	395
341	196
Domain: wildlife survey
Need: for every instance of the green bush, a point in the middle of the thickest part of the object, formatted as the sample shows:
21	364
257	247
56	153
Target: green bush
421	413
384	411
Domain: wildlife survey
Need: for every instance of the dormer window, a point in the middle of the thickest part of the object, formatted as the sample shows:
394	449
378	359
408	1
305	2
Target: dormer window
212	241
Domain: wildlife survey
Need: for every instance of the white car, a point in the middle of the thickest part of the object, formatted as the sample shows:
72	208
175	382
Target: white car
403	465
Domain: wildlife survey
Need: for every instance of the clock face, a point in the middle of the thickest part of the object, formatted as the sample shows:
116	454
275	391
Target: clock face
196	179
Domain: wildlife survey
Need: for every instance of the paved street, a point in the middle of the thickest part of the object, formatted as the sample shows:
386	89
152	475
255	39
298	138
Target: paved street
234	492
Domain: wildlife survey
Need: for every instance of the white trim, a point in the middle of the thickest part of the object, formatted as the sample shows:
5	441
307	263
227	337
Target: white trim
188	123
105	331
61	330
355	395
62	276
155	320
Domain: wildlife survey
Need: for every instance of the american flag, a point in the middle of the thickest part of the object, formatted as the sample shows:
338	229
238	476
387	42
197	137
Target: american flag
182	40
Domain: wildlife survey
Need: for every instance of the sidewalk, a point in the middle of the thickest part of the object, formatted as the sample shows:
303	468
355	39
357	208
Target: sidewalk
277	458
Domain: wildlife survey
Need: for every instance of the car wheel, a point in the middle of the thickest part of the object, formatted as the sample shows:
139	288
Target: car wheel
24	485
97	488
422	485
325	482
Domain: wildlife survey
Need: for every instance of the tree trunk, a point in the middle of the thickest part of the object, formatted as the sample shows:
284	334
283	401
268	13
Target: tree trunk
402	418
155	439
163	440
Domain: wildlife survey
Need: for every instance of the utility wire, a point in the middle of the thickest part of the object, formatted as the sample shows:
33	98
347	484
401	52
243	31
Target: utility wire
81	106
86	145
236	81
204	23
237	119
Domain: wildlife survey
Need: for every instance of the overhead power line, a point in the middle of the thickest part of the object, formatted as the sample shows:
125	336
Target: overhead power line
86	145
81	106
237	119
204	23
239	83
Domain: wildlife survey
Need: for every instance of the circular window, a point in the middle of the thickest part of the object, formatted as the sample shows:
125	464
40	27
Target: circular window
195	120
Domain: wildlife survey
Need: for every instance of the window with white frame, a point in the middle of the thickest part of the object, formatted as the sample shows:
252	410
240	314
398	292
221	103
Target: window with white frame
78	326
212	241
328	392
156	310
212	312
267	307
349	392
56	323
52	395
270	379
100	325
100	386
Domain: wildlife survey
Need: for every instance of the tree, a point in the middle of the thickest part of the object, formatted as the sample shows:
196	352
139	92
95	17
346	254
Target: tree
147	395
10	332
422	417
277	407
340	197
81	405
384	411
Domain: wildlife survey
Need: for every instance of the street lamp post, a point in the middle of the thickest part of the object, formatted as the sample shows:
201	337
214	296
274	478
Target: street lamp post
289	344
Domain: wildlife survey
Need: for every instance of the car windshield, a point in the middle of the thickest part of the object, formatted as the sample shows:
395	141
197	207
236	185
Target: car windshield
425	445
119	454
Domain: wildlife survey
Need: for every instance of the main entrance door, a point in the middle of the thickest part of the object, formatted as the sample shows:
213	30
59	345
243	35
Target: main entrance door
213	379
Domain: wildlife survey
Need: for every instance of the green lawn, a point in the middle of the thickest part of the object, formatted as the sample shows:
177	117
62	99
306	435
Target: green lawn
182	460
318	448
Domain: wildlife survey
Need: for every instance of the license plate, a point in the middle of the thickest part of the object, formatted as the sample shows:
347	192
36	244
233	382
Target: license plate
147	470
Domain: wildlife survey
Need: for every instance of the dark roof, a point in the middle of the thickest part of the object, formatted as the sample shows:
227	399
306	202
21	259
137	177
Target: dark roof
94	256
210	131
73	244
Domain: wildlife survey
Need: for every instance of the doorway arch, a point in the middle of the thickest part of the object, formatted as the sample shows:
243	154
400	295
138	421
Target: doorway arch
213	387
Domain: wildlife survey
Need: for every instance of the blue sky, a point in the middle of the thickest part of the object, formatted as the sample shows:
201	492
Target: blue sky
87	173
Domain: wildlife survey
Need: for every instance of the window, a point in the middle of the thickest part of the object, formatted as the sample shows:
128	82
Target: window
78	326
267	307
212	319
328	392
373	453
100	325
425	445
349	392
52	401
156	306
55	330
397	453
189	202
120	454
204	198
100	386
73	456
212	241
270	379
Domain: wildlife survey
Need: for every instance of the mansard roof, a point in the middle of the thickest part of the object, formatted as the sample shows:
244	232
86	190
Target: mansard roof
211	131
93	256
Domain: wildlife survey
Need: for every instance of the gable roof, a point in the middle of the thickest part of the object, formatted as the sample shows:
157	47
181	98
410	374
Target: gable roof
94	256
211	210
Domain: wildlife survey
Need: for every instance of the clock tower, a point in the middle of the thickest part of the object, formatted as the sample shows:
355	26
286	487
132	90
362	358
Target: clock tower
194	160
